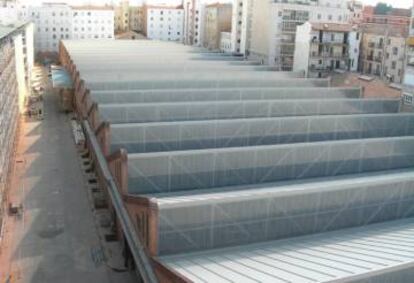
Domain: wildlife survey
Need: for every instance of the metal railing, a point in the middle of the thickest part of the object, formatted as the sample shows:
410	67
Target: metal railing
138	252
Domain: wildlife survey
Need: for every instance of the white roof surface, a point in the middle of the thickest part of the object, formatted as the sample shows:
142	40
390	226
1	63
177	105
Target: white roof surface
345	254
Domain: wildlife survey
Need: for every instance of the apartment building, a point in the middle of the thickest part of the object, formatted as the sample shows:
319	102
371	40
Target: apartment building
8	12
241	26
56	21
383	51
226	42
274	26
128	18
218	19
356	11
324	48
394	17
136	18
16	62
193	22
92	22
121	14
53	22
164	23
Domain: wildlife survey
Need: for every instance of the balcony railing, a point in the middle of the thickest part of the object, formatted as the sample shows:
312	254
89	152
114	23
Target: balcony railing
330	55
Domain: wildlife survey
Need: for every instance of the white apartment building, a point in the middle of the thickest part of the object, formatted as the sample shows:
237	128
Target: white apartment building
89	22
164	23
241	26
274	26
193	22
226	42
8	12
56	21
323	48
53	22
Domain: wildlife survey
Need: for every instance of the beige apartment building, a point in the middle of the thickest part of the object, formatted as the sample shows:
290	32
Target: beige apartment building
128	18
218	19
383	52
122	17
136	18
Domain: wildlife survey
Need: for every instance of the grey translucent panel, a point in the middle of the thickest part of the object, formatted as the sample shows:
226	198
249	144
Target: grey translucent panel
193	66
153	137
175	82
204	169
182	95
200	75
189	111
142	54
206	221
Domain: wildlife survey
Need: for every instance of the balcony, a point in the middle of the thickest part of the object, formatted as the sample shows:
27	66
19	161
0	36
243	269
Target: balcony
314	68
330	55
375	45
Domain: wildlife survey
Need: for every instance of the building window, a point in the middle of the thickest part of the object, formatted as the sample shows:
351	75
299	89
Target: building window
393	65
395	50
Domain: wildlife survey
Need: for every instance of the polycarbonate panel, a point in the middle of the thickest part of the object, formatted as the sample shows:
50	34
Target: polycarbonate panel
182	83
199	75
203	169
155	137
196	221
182	95
188	111
124	57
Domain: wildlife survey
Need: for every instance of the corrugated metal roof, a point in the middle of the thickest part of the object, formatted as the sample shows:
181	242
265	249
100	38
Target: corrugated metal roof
318	258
